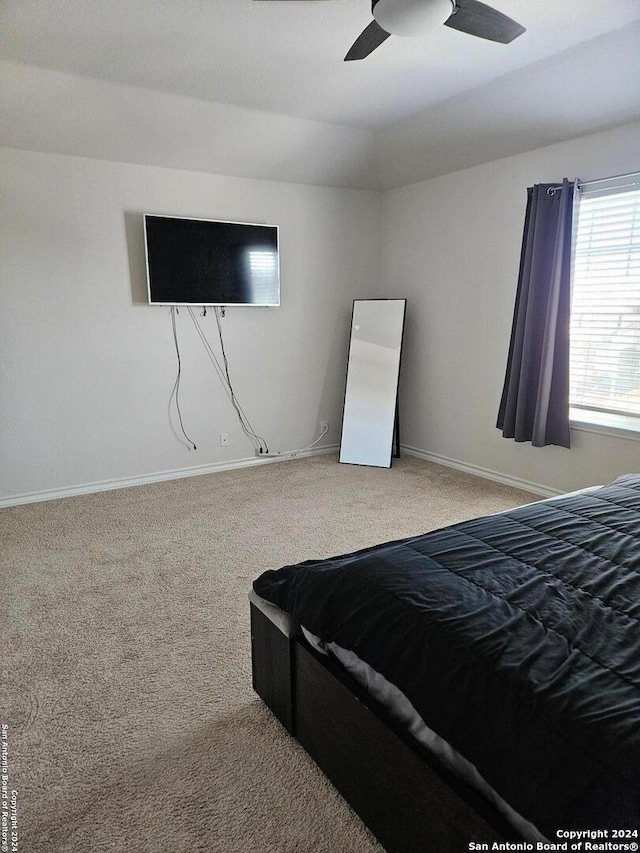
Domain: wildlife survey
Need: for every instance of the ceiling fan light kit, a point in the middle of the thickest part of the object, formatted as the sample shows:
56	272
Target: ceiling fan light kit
419	17
411	17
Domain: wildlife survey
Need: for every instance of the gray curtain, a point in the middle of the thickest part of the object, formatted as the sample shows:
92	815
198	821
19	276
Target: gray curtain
535	397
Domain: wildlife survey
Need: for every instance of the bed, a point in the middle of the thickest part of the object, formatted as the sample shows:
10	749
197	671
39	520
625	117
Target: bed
475	684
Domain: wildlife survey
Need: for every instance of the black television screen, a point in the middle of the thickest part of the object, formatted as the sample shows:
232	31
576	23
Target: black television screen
207	262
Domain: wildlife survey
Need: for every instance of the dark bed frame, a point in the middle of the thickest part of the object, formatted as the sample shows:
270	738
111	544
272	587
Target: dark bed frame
408	800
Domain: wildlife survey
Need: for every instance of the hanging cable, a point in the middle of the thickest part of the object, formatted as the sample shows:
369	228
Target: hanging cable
234	400
175	393
210	353
223	375
292	453
325	430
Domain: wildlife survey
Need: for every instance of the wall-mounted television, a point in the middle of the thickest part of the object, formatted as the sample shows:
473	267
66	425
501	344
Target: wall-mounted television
211	262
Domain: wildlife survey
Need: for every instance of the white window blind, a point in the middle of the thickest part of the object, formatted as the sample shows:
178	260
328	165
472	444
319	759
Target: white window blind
605	305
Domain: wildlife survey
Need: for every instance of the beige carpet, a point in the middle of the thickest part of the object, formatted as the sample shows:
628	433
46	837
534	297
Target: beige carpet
126	661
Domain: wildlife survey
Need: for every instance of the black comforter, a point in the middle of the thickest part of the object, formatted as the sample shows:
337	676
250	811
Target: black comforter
516	638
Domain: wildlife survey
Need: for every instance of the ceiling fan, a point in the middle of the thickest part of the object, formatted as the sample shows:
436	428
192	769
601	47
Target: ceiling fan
418	17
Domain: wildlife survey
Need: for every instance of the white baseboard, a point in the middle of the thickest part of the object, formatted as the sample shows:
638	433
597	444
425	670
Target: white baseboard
159	477
199	470
487	473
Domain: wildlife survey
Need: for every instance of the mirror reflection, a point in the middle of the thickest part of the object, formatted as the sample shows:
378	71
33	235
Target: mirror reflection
372	382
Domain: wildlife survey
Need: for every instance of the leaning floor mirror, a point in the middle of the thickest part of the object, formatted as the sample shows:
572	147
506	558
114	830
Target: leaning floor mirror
373	370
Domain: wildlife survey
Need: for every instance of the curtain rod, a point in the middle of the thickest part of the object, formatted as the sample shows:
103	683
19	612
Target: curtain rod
580	184
612	178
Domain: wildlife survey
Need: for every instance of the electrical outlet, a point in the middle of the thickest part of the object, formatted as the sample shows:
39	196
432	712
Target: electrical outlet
324	426
224	439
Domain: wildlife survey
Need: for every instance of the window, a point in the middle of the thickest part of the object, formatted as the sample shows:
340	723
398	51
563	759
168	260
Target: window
605	306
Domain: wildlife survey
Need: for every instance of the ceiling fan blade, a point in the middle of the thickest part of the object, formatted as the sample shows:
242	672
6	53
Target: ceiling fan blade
367	42
478	19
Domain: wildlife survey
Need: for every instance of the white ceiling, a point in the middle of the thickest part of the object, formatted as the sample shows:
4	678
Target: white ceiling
286	57
435	104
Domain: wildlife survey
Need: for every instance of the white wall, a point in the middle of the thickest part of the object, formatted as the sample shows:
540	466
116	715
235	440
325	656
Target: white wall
86	367
451	245
45	110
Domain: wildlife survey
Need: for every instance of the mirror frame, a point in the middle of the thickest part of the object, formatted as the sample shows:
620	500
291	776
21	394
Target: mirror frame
389	436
